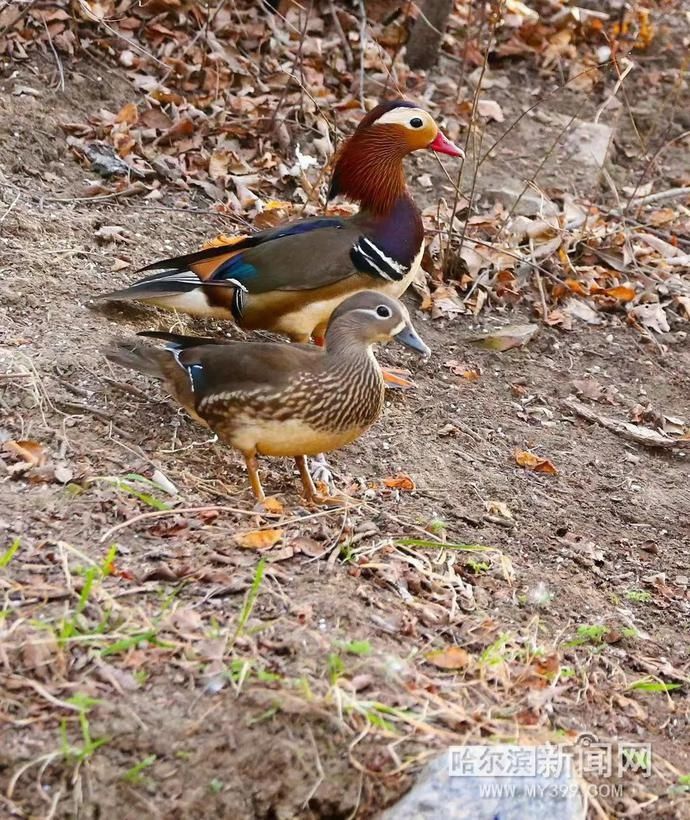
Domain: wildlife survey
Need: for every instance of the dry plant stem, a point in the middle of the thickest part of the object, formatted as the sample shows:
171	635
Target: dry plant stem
9	209
676	93
22	14
362	49
219	508
131	43
660	196
628	109
619	82
349	59
297	61
395	55
58	61
465	51
540	284
532	180
181	511
473	117
535	105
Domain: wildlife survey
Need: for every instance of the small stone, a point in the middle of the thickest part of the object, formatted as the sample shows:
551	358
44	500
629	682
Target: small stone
476	794
531	203
589	141
682	581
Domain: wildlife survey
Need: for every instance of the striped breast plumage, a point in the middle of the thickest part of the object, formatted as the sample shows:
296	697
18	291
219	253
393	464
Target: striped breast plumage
319	411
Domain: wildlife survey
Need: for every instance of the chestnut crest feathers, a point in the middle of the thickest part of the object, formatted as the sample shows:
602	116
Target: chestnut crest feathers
369	166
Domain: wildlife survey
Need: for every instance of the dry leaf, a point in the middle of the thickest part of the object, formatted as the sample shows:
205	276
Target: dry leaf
29	451
62	474
624	293
218	164
473	260
652	316
661	217
470	372
577	309
684	302
111	233
182	128
273	505
590	388
507	338
490	109
531	461
445	303
499	508
453	657
402	481
128	114
258	539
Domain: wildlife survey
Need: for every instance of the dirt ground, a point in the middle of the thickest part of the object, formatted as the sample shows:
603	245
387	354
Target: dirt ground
172	679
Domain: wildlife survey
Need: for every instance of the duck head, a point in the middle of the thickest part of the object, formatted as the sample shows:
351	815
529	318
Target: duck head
368	318
369	168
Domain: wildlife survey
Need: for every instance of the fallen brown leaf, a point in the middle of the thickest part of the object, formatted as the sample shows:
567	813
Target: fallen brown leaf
273	505
111	233
490	109
128	114
182	128
507	338
402	481
445	303
624	293
258	539
453	657
531	461
589	388
470	372
27	450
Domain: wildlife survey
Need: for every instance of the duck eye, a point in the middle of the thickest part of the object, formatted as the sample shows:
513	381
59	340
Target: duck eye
416	122
384	312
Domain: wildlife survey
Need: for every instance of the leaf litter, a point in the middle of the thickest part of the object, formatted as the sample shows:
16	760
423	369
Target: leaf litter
214	124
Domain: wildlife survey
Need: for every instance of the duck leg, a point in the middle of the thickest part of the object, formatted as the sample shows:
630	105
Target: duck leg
253	473
310	492
321	471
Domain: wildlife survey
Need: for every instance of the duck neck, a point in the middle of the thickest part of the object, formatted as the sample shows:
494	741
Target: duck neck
344	344
369	171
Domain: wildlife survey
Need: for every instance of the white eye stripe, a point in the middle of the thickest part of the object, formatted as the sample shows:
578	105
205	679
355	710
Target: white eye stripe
373	313
402	116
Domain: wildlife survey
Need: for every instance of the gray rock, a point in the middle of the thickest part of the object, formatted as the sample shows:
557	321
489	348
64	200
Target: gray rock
106	162
530	203
439	796
589	142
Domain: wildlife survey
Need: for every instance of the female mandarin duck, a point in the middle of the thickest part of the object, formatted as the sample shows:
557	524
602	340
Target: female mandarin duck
289	279
278	399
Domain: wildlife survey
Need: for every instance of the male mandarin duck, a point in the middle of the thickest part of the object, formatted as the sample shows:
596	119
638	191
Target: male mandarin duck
278	399
289	279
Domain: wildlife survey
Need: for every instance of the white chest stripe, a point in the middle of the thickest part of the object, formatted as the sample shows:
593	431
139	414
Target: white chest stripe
384	265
